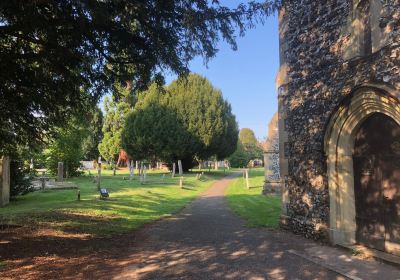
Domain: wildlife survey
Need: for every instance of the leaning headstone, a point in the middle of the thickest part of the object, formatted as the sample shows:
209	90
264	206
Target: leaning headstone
60	172
4	181
173	170
180	167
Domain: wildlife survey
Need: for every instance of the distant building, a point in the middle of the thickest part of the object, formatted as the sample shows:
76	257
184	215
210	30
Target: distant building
271	158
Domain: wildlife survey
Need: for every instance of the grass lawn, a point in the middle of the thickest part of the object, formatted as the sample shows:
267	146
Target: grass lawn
257	209
130	205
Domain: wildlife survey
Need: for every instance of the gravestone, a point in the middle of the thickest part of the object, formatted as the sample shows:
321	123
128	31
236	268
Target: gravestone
60	172
131	169
180	167
173	170
104	194
4	181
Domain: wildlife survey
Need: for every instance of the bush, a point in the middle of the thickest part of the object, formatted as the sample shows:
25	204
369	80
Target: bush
20	178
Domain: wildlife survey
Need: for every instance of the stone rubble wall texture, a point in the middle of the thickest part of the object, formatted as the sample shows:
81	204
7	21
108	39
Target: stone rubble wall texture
319	79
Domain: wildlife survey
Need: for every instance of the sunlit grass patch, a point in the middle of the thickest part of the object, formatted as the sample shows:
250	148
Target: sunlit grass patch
258	210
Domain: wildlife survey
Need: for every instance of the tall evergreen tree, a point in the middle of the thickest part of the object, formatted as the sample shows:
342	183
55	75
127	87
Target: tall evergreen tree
187	120
56	56
116	113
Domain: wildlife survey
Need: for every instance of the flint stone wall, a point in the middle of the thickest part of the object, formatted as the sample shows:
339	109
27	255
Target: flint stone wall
320	76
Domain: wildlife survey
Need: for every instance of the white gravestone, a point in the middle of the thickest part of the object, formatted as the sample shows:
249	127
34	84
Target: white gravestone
180	167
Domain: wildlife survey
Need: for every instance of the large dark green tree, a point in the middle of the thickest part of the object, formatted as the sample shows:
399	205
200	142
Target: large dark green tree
188	120
206	115
57	56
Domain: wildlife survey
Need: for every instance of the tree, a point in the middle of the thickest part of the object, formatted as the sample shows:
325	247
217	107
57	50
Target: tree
247	137
95	135
206	116
116	112
187	120
240	158
67	147
153	130
247	149
58	56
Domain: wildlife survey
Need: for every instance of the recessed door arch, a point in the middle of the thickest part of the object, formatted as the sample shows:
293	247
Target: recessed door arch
376	162
339	144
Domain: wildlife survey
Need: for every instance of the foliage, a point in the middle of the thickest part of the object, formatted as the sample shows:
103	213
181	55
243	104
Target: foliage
256	208
155	132
95	135
248	149
116	112
66	146
240	158
58	56
187	120
205	115
20	177
247	137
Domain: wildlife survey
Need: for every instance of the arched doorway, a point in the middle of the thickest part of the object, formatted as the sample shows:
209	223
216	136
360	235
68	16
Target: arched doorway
340	140
376	162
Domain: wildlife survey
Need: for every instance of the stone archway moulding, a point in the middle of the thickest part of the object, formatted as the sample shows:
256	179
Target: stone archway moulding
339	144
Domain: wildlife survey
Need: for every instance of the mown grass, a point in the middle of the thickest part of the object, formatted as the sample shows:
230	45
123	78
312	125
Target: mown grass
257	209
130	205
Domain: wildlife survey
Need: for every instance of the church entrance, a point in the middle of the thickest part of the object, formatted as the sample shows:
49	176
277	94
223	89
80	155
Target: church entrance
376	162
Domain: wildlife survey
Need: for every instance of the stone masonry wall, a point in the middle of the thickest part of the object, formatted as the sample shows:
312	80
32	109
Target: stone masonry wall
319	79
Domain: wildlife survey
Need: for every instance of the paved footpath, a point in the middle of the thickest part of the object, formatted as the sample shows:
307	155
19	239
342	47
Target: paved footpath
207	241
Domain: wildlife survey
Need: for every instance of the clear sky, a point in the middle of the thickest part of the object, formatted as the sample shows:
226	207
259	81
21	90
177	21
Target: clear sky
246	77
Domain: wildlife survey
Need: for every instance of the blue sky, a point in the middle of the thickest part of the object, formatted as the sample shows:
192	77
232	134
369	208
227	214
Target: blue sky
246	77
